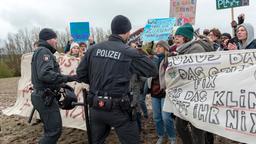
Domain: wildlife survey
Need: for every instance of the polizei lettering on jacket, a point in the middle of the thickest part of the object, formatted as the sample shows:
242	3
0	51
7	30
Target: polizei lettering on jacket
108	53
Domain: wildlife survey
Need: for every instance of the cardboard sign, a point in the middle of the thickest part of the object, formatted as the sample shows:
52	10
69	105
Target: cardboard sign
158	29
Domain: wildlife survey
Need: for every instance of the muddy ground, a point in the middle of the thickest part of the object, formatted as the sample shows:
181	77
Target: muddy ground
16	130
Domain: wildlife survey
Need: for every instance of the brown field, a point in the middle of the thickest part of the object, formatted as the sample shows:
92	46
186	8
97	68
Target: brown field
16	130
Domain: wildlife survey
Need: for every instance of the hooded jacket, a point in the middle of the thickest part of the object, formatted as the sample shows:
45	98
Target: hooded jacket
250	41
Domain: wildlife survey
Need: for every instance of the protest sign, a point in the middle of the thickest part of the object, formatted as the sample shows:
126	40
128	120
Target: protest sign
158	29
224	4
183	10
80	31
215	92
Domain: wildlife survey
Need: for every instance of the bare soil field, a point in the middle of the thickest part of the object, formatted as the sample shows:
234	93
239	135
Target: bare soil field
16	130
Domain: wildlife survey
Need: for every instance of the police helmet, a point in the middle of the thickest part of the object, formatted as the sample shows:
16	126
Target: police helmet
68	97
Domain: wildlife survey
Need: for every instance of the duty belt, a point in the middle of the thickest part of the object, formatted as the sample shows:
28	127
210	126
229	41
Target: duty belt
109	94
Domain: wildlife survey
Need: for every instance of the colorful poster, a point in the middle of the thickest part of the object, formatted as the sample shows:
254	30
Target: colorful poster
158	29
183	10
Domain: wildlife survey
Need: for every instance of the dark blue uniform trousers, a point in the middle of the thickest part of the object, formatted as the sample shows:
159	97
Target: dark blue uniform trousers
101	122
50	116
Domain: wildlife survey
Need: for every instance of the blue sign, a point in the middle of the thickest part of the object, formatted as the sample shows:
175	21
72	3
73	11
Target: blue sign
80	31
158	29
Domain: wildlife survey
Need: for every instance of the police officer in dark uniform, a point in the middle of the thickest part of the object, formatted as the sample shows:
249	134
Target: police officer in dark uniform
46	80
107	67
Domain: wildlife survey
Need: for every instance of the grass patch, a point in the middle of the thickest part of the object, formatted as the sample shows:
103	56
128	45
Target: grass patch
5	71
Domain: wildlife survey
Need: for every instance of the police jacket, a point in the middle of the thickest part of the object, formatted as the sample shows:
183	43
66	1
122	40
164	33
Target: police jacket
108	66
45	69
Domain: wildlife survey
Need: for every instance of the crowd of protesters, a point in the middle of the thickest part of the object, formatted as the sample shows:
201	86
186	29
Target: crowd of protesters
183	41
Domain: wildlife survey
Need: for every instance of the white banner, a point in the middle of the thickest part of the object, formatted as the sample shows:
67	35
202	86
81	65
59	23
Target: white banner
215	91
71	118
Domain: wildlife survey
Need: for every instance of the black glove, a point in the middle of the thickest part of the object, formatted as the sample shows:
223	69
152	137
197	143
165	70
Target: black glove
72	78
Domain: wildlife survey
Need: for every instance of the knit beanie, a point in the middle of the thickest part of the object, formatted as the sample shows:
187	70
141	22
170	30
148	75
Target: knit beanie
120	25
47	34
164	44
73	44
186	30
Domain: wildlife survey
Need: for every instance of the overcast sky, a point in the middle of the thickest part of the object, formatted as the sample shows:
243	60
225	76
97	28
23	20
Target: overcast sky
19	14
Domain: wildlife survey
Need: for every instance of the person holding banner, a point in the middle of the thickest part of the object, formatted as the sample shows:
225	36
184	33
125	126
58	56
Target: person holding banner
107	67
47	79
163	120
183	39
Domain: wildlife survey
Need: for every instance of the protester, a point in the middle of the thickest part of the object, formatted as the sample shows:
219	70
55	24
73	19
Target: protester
136	90
245	35
183	39
67	47
46	79
234	24
133	45
206	32
83	48
35	45
225	37
214	37
107	67
74	50
91	41
163	120
233	44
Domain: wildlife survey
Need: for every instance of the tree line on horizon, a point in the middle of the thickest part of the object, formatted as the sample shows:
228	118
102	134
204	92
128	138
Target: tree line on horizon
17	44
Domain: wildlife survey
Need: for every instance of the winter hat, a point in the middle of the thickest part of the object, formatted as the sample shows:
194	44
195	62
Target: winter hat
47	34
164	44
186	30
120	25
226	35
73	44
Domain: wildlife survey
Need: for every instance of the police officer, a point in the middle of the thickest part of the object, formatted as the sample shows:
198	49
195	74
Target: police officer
107	67
46	79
